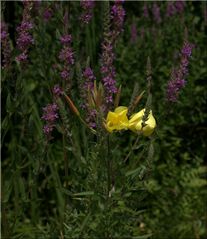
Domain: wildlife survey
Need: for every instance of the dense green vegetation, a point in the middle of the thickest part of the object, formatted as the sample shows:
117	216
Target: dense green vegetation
78	184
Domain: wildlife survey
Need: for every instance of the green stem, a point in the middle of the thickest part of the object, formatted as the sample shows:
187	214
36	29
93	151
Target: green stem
132	149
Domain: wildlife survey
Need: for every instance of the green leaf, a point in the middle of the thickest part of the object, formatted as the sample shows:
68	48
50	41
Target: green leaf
87	193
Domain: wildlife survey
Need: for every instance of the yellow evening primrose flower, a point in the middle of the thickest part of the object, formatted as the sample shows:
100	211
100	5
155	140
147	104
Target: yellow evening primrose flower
117	120
135	123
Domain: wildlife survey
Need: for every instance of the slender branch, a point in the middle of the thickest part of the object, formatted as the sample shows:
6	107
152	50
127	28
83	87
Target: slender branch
132	149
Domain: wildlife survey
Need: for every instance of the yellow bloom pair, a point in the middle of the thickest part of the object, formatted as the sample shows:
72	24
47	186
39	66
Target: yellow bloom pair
118	120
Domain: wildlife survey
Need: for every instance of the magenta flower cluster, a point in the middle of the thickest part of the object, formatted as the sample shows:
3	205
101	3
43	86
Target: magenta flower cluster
66	55
156	13
178	76
89	78
50	116
57	91
47	14
5	46
88	85
117	15
87	10
174	8
108	71
107	58
24	38
145	11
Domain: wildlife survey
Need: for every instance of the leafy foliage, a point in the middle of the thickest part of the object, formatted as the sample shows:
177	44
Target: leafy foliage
122	185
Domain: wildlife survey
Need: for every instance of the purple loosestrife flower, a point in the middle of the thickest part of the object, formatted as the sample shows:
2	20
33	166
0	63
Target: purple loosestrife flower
57	91
87	10
5	46
88	85
133	33
64	74
117	15
108	72
180	6
47	14
66	39
178	76
156	13
24	38
66	55
145	11
171	9
89	78
50	116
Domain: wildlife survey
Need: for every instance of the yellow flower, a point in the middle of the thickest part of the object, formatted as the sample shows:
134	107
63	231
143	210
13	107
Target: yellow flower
117	120
135	123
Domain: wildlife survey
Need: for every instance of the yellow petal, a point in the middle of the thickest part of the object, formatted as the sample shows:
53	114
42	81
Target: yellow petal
135	123
111	116
120	109
117	120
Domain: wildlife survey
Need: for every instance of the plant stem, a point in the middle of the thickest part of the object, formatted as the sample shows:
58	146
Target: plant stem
132	149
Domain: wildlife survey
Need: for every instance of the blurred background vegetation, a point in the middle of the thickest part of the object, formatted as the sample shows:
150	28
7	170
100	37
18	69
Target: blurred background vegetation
57	189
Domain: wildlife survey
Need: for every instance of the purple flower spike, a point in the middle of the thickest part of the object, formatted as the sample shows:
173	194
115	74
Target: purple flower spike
145	11
57	91
24	38
171	9
66	55
22	57
180	6
87	10
64	74
178	76
47	15
5	46
49	115
156	13
66	39
117	15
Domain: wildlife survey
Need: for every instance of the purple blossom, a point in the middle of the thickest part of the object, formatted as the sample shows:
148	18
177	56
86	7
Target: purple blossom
180	5
117	16
47	14
89	78
24	40
66	55
66	39
145	11
87	10
5	45
22	57
24	27
187	49
88	85
91	118
156	13
50	115
108	72
57	91
178	75
171	9
24	37
64	74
